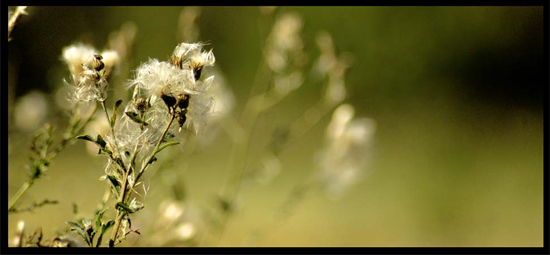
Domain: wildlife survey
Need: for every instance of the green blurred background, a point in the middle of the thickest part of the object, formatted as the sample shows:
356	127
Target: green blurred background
456	93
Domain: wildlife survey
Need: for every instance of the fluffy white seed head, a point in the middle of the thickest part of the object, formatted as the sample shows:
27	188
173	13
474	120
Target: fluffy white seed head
110	59
191	56
155	78
89	71
76	55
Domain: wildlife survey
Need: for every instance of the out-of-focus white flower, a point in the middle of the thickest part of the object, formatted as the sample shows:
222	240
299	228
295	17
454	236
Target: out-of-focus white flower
347	150
121	41
76	55
270	168
188	30
177	224
110	59
30	110
170	211
284	84
333	66
185	231
20	226
223	102
224	99
284	42
327	58
18	239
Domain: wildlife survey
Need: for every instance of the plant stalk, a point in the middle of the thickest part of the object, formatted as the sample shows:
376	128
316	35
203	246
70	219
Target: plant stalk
123	191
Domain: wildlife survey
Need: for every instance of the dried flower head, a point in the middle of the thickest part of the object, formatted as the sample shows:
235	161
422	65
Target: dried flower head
89	71
188	56
178	86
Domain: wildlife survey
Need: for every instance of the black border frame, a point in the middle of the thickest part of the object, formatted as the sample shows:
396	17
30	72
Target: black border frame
316	250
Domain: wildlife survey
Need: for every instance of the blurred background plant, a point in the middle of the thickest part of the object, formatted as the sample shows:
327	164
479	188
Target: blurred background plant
451	155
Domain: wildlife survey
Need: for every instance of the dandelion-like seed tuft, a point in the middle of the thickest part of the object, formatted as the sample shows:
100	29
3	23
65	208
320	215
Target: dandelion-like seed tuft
89	70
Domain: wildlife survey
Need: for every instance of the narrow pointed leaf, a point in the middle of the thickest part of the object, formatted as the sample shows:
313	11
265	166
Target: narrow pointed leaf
124	207
165	145
115	108
98	220
86	137
100	142
135	117
104	229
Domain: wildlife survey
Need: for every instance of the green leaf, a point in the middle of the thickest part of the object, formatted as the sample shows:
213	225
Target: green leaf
115	108
104	229
113	180
79	230
86	137
98	220
82	234
169	135
124	207
163	146
74	225
75	209
101	142
135	117
105	151
225	205
152	160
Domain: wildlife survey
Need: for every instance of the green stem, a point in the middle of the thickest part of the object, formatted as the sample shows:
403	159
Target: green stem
146	163
114	146
251	114
123	191
69	135
19	193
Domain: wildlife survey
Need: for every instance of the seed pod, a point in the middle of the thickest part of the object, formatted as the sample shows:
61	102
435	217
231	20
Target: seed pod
197	71
142	105
176	61
99	65
183	102
181	118
170	101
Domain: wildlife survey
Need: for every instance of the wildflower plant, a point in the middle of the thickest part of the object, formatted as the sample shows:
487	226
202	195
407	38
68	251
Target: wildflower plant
168	96
178	98
89	75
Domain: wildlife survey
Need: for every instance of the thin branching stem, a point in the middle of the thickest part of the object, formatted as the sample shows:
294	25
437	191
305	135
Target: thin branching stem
115	147
70	134
150	158
241	150
123	192
19	193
